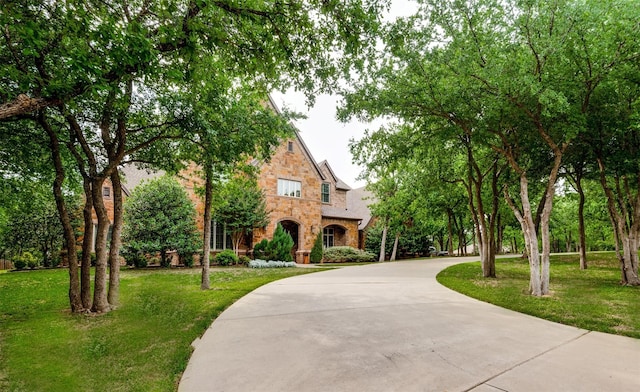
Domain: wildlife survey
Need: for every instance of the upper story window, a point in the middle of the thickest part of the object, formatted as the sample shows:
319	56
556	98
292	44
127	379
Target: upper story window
290	146
325	191
289	188
106	192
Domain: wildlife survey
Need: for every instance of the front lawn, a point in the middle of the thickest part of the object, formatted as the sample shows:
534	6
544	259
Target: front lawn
592	299
144	345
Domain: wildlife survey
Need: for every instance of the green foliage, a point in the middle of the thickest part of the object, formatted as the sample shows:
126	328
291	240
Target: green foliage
244	260
26	259
159	217
112	353
186	259
134	257
415	241
260	249
317	250
347	254
278	249
226	257
241	206
280	246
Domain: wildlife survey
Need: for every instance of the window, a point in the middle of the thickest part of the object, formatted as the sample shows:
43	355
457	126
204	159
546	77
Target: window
106	192
327	237
220	237
290	146
289	188
325	192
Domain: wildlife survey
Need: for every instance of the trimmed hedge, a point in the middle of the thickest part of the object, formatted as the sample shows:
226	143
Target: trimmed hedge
347	254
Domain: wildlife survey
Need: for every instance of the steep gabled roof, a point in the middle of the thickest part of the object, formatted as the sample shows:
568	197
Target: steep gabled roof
358	201
305	149
133	176
339	183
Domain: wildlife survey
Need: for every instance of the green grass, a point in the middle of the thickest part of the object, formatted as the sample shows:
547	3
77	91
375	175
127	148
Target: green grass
144	345
591	299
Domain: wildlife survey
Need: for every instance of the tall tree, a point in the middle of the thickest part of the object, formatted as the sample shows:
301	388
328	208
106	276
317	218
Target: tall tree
502	73
160	218
241	206
104	74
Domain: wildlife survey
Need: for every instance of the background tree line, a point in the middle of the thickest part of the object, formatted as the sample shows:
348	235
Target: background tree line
493	102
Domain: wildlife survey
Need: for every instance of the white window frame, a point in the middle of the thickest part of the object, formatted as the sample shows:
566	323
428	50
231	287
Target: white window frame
328	239
213	241
327	193
289	188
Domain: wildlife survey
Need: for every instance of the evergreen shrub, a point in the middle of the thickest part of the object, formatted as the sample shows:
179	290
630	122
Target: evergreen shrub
316	251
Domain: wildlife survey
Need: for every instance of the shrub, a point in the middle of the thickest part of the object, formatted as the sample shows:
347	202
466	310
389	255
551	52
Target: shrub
26	259
186	259
244	260
347	254
257	263
260	250
133	257
316	251
226	257
280	246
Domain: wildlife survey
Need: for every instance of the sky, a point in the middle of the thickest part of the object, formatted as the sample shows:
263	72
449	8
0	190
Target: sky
324	135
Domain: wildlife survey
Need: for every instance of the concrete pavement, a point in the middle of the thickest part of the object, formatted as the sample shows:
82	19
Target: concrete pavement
392	327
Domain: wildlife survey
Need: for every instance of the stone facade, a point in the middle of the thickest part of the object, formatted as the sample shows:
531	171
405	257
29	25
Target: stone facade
301	216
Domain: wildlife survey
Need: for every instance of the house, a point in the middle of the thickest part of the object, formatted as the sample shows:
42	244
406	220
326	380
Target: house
304	196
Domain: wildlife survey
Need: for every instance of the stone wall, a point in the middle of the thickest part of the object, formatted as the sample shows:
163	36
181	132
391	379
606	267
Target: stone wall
350	226
306	210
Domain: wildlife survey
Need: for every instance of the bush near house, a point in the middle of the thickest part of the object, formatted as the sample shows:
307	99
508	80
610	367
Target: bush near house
226	257
26	259
347	254
279	248
317	250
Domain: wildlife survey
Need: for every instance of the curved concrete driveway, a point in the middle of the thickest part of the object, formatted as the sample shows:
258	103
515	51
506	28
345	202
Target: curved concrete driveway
392	327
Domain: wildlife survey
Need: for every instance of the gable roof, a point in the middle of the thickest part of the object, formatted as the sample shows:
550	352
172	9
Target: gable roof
339	183
305	149
133	176
358	201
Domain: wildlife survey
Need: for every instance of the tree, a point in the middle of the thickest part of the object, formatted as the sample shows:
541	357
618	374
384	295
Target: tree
227	126
241	207
160	218
100	79
316	251
503	75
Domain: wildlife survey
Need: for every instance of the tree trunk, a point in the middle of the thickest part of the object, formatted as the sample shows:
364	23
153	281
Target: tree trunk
395	247
69	233
100	302
383	243
525	217
626	232
205	283
87	241
450	216
581	228
113	295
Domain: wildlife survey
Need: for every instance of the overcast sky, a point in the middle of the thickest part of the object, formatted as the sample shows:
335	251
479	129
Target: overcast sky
323	134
